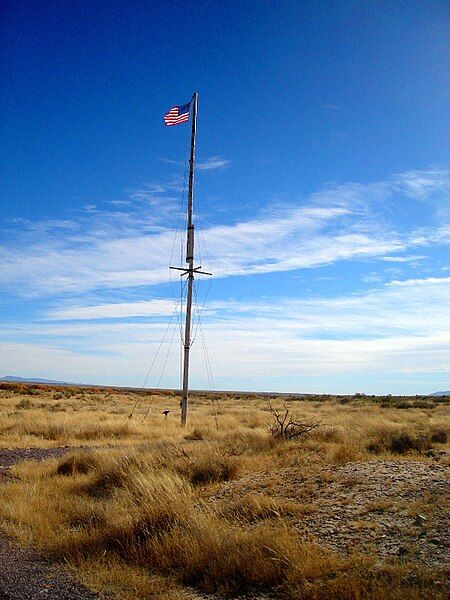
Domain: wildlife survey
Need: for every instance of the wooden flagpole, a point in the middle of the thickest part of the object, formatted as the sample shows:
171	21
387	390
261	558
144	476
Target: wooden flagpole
190	270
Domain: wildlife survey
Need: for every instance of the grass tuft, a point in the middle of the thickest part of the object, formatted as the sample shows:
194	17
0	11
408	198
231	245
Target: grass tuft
401	442
77	463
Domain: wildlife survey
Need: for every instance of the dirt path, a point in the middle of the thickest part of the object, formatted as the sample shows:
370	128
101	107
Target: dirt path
24	574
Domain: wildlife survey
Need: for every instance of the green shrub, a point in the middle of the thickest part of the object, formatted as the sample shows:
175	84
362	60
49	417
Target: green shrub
24	404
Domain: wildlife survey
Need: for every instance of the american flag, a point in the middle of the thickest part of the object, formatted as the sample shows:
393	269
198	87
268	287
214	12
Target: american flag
177	114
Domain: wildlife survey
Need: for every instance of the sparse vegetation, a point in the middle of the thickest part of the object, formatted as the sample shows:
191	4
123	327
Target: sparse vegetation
288	426
141	509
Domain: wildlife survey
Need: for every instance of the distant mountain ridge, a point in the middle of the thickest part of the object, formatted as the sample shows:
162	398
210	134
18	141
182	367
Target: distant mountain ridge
14	379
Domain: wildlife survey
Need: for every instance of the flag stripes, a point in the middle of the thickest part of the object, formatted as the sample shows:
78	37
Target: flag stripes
177	115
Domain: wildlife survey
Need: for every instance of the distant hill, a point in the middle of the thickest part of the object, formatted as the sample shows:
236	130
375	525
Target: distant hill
14	379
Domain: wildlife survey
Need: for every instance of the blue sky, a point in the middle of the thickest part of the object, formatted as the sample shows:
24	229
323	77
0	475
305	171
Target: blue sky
321	193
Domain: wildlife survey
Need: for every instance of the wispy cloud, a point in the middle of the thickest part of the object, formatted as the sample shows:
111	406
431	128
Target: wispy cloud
421	282
424	184
148	308
372	278
408	307
399	327
214	162
120	203
402	259
132	247
208	164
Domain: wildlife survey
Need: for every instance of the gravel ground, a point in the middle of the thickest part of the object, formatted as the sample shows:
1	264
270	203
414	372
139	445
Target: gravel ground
24	574
9	457
383	508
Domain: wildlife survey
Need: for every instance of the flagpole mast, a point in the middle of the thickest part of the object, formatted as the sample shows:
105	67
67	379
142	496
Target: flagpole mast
190	269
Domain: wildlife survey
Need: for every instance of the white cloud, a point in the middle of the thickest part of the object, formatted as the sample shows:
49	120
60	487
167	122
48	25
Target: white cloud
129	248
371	278
209	164
151	308
398	328
401	259
214	162
444	281
423	184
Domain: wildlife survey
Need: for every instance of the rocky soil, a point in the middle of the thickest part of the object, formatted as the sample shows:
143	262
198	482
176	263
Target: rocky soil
24	575
387	509
382	508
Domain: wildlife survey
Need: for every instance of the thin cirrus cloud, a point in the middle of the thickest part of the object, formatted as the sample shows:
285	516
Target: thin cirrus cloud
415	307
402	259
209	164
214	162
399	328
132	248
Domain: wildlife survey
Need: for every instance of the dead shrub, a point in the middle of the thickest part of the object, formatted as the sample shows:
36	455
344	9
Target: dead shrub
217	557
114	473
47	431
105	483
145	505
249	443
329	434
201	465
347	452
403	404
251	508
380	506
287	426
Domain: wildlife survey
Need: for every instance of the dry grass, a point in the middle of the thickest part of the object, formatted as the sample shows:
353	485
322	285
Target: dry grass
133	515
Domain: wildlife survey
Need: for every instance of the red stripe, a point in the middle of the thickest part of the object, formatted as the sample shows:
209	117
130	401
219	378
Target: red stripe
172	117
176	120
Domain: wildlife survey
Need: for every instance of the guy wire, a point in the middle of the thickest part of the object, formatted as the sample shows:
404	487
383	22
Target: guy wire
162	370
209	374
155	357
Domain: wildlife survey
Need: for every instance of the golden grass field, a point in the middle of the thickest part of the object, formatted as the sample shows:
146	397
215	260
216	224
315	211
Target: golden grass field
145	509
